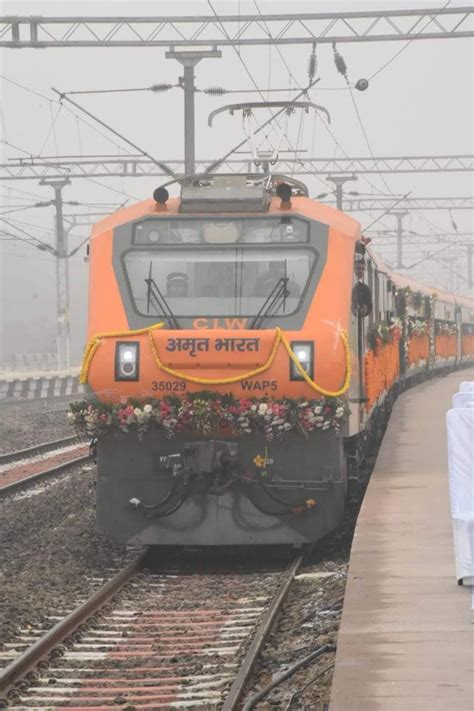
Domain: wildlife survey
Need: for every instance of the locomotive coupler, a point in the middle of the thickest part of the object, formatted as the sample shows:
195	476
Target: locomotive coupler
210	457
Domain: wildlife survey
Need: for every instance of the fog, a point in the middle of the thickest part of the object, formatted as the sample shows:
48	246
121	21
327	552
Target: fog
421	103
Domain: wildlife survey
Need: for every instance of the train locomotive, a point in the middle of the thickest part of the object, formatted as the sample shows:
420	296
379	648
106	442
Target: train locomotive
240	339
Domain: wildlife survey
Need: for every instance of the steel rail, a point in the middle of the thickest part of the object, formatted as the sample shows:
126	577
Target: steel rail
39	476
234	696
31	657
37	449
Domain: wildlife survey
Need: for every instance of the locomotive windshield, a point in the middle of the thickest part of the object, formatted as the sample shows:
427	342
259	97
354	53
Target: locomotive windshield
231	280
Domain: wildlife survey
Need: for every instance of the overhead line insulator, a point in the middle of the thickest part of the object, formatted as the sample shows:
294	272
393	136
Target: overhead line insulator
312	64
339	61
161	87
215	91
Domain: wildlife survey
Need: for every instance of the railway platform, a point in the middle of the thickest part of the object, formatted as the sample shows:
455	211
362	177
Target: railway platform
406	639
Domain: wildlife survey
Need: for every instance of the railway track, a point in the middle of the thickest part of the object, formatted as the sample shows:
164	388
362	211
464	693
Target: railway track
148	640
21	468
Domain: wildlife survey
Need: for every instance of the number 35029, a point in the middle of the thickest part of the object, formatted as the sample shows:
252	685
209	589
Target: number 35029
168	387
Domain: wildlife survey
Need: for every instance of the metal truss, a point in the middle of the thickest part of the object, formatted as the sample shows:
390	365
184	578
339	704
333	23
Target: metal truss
138	166
236	30
374	204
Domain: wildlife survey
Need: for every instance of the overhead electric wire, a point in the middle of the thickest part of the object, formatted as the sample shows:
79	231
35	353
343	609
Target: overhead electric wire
14	222
366	137
158	163
47	98
21	209
78	118
24	192
51	130
155	88
37	241
65	175
215	164
303	92
26	88
244	64
402	49
416	264
387	210
3	124
326	126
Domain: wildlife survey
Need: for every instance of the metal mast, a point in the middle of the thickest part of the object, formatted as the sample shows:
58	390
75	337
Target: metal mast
189	61
62	276
399	214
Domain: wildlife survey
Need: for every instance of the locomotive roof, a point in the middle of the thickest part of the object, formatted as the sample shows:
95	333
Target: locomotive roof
300	205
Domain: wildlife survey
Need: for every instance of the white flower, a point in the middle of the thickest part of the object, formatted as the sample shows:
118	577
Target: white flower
262	408
253	408
70	416
339	412
319	418
326	425
318	409
137	411
147	408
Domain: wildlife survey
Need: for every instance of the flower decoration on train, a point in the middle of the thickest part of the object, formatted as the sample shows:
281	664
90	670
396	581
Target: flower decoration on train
208	413
418	327
417	300
384	332
396	328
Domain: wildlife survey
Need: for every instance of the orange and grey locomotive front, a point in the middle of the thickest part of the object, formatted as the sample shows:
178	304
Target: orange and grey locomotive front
218	347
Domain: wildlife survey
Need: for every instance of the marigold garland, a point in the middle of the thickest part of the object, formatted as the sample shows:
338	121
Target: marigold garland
279	338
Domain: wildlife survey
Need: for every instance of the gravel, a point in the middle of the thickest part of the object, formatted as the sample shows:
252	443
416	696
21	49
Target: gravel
25	424
309	619
50	550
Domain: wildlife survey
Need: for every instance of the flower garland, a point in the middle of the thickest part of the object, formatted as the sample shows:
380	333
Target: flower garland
417	300
418	327
208	413
384	332
407	297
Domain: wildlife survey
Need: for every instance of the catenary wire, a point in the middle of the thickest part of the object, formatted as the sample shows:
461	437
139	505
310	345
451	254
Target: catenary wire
402	49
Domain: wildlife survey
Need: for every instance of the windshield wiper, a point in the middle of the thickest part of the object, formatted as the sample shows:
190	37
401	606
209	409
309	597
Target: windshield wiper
156	298
270	306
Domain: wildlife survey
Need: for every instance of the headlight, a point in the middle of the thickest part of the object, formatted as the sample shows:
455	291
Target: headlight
126	360
304	351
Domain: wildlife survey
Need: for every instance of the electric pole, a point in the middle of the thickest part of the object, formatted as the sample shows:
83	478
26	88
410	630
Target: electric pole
62	276
189	61
339	181
469	267
399	214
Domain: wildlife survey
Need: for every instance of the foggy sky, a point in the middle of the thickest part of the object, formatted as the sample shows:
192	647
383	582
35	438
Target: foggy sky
421	104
